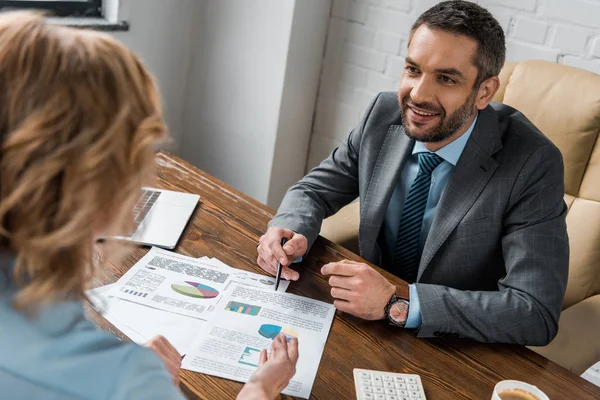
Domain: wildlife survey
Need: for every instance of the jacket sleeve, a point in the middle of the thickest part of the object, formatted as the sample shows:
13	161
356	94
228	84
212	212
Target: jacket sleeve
526	308
325	189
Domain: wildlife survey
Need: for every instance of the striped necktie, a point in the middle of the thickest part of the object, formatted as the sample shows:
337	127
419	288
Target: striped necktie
406	253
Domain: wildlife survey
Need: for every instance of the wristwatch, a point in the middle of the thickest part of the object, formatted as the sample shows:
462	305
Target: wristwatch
396	309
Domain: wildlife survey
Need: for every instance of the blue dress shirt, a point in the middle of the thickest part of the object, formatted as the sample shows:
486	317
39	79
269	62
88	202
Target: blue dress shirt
439	178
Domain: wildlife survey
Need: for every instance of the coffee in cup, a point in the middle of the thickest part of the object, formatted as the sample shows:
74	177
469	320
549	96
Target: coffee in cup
517	394
517	390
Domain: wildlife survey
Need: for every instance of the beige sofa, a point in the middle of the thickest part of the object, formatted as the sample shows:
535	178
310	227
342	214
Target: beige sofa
564	103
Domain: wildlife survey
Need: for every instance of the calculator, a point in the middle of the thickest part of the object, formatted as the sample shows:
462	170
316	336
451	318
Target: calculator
379	385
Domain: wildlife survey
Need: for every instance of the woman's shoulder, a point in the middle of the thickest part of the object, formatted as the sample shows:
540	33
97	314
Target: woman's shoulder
60	350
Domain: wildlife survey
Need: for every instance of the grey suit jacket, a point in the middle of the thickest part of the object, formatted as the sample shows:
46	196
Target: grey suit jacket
495	264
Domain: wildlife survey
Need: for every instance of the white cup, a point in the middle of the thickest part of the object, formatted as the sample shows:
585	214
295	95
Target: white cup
507	385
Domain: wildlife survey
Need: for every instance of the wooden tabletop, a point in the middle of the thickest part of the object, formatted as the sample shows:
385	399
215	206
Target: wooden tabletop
228	224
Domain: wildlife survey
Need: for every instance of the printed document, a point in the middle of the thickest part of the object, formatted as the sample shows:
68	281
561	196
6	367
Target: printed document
179	284
141	323
246	319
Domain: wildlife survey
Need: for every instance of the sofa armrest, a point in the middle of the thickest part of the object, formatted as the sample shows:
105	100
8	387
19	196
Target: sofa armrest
342	227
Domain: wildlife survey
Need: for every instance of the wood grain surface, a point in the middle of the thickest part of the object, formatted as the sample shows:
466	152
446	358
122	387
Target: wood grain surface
227	225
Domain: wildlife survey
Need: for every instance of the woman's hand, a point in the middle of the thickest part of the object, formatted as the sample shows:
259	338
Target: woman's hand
274	371
167	353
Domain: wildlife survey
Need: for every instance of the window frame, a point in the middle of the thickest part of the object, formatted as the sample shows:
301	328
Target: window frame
59	8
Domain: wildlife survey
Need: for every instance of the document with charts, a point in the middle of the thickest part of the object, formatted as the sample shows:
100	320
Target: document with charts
246	320
180	284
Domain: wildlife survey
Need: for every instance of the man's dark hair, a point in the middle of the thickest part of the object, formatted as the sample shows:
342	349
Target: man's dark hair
474	21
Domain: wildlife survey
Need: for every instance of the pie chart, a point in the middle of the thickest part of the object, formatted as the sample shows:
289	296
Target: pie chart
271	331
195	290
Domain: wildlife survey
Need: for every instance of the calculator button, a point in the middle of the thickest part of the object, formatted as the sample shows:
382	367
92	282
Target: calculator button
401	386
412	380
403	393
377	381
369	396
368	389
380	397
388	384
391	397
413	387
404	398
366	382
415	395
390	391
378	390
399	379
365	375
388	378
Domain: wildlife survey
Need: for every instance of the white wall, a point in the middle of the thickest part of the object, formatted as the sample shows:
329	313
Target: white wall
161	33
251	90
367	41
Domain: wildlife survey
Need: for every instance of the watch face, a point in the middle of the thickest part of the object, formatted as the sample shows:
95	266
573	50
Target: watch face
399	311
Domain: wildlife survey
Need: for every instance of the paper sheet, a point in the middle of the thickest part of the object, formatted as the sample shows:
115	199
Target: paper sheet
177	318
141	323
246	320
174	283
179	284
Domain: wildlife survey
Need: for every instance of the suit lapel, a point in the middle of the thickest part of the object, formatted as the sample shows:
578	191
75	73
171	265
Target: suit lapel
394	152
473	171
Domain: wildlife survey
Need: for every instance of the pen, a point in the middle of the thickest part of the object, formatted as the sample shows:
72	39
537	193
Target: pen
278	276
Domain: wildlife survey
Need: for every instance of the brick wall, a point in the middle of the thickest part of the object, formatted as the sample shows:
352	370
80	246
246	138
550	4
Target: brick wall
367	41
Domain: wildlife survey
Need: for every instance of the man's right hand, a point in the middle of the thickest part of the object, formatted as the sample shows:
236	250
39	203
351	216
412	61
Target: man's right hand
270	252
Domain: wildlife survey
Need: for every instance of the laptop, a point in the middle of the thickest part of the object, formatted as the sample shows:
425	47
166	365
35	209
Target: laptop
161	216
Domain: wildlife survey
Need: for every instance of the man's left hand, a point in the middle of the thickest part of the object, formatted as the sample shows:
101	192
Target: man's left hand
358	289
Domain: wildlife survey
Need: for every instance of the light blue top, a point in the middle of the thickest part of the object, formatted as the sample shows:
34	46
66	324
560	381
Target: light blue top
439	178
59	354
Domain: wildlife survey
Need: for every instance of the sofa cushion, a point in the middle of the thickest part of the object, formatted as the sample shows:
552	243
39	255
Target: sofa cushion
577	344
564	103
342	228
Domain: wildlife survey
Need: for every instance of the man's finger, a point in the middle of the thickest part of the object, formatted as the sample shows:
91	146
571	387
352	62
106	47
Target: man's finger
344	282
342	294
343	305
337	268
289	274
296	246
267	256
293	350
265	266
276	250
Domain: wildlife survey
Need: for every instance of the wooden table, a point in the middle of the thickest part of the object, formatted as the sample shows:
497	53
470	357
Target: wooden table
228	224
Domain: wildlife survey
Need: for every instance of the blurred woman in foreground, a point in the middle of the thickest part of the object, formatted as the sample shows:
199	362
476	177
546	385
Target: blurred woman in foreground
79	124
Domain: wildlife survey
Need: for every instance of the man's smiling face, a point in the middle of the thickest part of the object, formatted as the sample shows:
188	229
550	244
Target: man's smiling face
437	94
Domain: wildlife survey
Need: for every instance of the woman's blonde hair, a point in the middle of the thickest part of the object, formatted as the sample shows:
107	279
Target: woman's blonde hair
80	121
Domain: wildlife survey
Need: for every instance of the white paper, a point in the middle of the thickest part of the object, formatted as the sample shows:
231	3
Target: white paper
246	320
249	278
141	323
174	283
592	374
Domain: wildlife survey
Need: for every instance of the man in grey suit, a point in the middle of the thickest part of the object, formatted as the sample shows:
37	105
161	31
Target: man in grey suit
461	198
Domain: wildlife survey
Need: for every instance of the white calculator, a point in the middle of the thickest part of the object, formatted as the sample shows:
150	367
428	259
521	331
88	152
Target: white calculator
379	385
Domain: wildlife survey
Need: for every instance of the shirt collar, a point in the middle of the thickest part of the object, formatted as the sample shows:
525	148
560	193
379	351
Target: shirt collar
452	151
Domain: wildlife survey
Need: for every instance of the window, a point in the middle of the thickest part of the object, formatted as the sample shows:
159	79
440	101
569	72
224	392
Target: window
76	8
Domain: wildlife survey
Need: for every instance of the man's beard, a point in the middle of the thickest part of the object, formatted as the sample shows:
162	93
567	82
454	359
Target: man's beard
448	125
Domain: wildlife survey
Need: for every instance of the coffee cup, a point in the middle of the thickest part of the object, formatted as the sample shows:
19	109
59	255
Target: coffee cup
517	390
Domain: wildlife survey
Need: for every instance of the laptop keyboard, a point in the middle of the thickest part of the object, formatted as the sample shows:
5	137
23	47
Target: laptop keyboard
144	205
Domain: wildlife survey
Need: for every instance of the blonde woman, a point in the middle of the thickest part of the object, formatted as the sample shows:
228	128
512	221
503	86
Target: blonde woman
79	124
